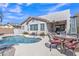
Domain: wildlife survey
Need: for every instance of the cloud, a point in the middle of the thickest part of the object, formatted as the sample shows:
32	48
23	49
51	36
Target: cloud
4	4
20	3
53	8
28	4
14	19
17	9
11	17
57	6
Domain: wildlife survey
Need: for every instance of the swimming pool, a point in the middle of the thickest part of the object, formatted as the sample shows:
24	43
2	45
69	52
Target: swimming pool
19	39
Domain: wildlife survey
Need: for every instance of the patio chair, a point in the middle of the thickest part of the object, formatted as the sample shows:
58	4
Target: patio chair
1	34
3	47
55	41
72	45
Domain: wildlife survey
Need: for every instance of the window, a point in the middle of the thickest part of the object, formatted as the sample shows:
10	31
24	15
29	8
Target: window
73	26
42	27
34	27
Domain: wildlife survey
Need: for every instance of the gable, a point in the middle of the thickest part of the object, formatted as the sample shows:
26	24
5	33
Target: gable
35	19
35	22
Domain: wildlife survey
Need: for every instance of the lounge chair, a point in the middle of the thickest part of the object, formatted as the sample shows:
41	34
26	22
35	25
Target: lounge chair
1	33
4	47
72	45
55	41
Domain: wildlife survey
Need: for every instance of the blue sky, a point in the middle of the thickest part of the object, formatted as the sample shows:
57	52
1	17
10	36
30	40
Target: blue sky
18	12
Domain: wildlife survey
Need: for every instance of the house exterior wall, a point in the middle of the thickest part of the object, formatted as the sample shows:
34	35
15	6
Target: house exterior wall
66	16
77	21
27	26
59	16
24	27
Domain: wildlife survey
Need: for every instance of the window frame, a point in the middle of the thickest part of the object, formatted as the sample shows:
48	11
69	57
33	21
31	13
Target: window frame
42	27
34	27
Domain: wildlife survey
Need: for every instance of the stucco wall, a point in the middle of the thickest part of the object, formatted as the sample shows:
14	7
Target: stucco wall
59	16
77	18
27	26
62	15
24	27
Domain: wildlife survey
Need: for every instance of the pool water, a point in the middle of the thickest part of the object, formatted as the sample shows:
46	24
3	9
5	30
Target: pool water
19	39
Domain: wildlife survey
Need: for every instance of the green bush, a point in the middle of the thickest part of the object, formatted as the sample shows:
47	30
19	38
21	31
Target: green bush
25	33
42	34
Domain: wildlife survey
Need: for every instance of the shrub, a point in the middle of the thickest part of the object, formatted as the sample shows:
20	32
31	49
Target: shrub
33	33
42	34
25	33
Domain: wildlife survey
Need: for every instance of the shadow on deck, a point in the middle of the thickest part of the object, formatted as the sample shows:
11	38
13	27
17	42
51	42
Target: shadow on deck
68	52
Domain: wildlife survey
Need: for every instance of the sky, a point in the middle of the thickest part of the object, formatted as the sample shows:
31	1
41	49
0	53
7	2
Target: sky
16	13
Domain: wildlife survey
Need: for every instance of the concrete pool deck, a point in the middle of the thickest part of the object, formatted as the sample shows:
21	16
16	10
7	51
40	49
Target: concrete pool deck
36	49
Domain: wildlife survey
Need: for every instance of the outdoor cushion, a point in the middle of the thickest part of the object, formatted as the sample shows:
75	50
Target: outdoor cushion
71	45
57	41
5	46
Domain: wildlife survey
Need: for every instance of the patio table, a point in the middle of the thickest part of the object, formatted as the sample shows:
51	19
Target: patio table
63	38
66	37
